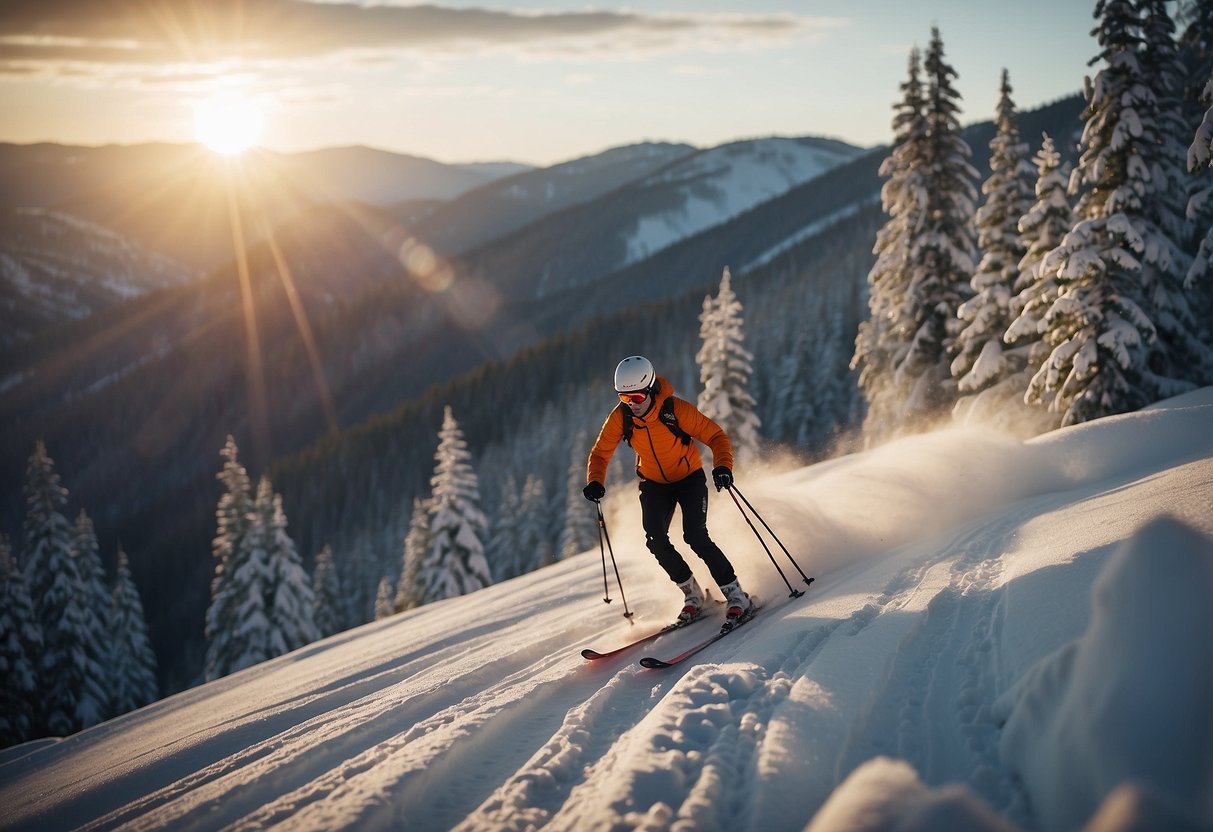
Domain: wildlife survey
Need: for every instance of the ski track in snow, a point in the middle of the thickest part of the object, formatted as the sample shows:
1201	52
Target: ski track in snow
396	748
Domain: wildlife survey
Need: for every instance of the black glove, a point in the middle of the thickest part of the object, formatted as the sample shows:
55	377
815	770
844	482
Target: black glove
594	491
722	477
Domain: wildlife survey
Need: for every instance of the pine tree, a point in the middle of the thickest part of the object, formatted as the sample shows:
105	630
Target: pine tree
942	250
1043	227
20	647
384	598
1200	206
60	603
233	518
251	587
292	601
580	523
328	611
455	563
724	371
1112	268
506	545
93	704
884	338
981	361
1182	355
795	381
534	534
1196	52
133	672
416	545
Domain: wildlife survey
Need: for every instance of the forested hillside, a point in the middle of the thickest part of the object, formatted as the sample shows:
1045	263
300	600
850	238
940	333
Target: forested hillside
380	340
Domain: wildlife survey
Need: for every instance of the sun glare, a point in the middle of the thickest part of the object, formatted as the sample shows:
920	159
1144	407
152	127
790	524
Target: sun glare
228	123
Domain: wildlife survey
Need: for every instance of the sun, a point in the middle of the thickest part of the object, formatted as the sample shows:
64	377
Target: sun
229	123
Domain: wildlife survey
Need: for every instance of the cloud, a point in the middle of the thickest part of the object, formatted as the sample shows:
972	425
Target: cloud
108	32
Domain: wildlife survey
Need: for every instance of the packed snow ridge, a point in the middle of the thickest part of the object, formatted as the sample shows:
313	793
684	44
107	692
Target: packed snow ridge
1001	635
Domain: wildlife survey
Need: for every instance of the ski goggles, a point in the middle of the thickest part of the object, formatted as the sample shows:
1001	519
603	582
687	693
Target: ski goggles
633	398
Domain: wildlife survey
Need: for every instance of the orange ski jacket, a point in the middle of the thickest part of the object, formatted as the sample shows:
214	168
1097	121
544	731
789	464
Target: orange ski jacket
660	455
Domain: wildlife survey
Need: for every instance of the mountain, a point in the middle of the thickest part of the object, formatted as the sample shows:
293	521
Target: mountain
778	227
498	208
1001	635
178	199
55	268
583	244
380	177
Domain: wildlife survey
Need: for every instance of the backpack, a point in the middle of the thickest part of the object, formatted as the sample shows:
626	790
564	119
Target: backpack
665	415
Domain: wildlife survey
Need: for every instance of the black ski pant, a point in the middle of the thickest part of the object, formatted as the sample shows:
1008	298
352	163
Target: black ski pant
657	503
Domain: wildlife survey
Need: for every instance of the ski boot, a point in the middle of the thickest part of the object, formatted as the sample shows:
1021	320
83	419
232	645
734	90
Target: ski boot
739	604
692	606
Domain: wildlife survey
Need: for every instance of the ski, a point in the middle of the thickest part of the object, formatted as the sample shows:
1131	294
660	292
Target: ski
594	655
653	663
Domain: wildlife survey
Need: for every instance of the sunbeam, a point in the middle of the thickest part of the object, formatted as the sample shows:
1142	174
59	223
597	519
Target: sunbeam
255	373
323	391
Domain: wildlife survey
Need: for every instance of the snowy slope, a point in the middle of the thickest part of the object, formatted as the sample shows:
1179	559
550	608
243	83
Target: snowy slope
719	184
55	267
956	574
505	205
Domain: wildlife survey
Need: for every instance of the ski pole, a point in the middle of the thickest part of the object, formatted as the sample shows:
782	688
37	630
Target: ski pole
733	488
603	534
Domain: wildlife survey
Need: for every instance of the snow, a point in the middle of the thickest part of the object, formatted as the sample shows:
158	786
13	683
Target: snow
724	182
1002	635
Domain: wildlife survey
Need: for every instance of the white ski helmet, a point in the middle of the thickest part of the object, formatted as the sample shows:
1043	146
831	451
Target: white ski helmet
634	374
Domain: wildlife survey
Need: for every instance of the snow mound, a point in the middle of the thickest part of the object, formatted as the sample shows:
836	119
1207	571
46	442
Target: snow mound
1128	701
885	795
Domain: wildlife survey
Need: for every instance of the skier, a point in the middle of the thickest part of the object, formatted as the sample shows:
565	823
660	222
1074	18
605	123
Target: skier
660	427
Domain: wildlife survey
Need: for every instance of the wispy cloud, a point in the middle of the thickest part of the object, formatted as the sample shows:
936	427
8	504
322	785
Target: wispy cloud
52	33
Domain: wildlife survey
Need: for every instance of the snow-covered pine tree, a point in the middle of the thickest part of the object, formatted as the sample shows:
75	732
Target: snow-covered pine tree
133	673
291	600
1183	354
455	563
1106	355
1200	206
416	545
943	249
20	649
60	602
580	530
1043	227
384	599
725	370
251	586
328	609
360	581
93	706
796	404
980	362
925	256
534	533
884	338
233	518
504	550
1196	52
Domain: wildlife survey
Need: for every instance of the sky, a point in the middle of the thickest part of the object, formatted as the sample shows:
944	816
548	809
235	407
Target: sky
1019	633
532	81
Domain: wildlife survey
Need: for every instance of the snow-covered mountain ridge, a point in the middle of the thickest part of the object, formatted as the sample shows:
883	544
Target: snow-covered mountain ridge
724	182
1002	634
506	205
55	267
